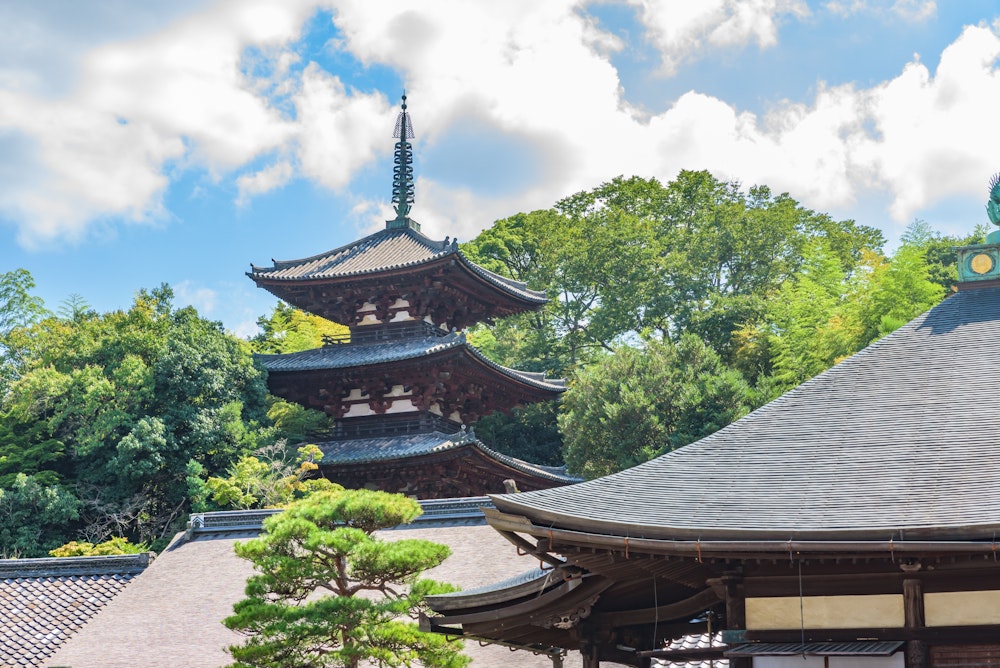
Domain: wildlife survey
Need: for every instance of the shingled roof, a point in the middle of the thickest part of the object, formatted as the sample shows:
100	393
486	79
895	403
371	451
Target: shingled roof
45	601
387	250
897	442
356	355
172	615
402	447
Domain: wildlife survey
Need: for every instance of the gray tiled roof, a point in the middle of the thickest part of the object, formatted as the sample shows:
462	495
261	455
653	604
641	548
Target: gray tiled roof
45	601
171	616
395	448
899	441
386	250
345	356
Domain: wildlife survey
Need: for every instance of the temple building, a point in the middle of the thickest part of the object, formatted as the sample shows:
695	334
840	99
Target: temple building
852	522
405	386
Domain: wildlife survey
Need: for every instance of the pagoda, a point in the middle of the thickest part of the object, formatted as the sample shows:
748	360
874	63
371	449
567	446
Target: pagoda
405	386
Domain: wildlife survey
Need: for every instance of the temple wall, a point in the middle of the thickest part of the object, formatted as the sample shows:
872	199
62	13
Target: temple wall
962	608
825	612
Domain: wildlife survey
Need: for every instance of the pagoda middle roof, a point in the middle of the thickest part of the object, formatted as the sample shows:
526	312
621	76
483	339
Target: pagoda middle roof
414	446
898	441
388	250
351	355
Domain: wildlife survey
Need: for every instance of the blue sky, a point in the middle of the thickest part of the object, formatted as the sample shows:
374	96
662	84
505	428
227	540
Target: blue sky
180	141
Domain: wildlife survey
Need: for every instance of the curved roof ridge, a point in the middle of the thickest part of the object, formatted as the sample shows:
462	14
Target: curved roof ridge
359	354
535	378
405	446
436	248
503	281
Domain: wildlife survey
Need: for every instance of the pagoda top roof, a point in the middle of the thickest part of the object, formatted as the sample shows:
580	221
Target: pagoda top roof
898	442
351	355
409	446
386	251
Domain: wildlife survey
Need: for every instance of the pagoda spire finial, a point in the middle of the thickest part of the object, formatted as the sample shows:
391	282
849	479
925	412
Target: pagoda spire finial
402	172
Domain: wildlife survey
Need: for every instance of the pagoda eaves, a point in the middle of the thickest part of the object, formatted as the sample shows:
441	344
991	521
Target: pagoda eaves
396	274
443	374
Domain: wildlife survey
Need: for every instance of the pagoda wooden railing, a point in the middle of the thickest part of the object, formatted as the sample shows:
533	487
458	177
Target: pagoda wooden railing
392	331
376	426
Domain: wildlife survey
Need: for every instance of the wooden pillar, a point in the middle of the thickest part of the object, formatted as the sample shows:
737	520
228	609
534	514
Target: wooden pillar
913	610
591	658
557	661
736	613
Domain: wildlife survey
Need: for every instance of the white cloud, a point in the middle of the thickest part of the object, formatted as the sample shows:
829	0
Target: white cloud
267	179
176	95
202	298
915	11
533	78
338	132
911	11
682	29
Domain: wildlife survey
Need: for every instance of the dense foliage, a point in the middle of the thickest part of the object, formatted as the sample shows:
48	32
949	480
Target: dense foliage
367	587
104	412
674	308
775	292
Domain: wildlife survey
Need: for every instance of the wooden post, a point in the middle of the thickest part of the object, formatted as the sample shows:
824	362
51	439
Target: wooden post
591	659
736	613
913	610
557	661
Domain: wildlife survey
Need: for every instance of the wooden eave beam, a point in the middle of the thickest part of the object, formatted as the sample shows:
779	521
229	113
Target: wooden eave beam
694	605
791	550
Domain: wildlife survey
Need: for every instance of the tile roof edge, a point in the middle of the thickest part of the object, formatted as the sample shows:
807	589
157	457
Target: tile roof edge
79	566
438	249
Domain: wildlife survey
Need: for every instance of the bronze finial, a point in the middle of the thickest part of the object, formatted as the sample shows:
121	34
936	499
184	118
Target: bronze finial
993	205
402	173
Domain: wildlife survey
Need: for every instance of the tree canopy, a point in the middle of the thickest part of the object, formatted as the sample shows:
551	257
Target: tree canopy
104	411
329	592
775	293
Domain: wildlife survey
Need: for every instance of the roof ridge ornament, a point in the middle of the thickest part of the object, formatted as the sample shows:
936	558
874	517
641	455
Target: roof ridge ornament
402	173
979	263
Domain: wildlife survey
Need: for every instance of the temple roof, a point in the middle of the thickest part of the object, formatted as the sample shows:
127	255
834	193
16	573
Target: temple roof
386	251
412	446
45	601
897	442
346	356
172	614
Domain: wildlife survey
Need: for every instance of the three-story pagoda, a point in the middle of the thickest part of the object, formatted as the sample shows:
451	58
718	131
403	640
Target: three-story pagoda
406	383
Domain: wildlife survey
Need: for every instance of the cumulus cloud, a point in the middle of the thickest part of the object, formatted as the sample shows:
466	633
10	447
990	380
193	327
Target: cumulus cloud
202	298
525	90
682	30
911	11
177	96
265	180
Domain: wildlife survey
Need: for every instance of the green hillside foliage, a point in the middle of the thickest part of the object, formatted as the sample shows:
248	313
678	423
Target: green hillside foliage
103	412
775	292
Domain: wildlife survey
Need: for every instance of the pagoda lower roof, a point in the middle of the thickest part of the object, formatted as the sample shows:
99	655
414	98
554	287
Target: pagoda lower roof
386	251
411	447
897	443
357	355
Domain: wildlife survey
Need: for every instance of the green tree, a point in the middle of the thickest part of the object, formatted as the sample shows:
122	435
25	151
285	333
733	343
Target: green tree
116	545
272	477
114	406
289	330
636	404
34	516
325	544
18	308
